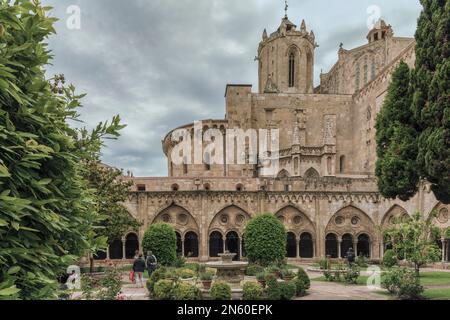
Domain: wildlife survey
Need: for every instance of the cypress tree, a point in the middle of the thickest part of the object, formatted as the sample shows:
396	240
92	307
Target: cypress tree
431	102
397	140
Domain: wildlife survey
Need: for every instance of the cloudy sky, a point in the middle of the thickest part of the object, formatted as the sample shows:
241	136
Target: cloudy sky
164	63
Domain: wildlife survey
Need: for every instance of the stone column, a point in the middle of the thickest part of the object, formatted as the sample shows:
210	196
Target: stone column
297	241
314	248
339	248
224	244
107	253
123	248
355	247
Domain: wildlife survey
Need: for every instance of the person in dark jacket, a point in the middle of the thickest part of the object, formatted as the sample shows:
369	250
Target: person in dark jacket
139	268
151	263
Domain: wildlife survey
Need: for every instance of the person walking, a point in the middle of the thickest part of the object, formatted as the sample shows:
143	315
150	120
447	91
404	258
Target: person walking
151	263
138	269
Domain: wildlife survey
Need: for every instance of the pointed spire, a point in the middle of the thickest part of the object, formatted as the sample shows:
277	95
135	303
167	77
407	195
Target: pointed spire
264	35
286	6
303	26
312	35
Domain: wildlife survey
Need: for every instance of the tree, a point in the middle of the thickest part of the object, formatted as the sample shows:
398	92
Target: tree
414	125
413	239
265	240
48	216
431	101
397	140
162	240
111	192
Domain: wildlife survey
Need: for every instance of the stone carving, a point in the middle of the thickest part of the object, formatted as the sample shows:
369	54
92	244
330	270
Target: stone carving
329	137
443	215
271	87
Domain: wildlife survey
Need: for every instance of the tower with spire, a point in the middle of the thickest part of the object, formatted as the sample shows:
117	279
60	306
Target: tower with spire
286	58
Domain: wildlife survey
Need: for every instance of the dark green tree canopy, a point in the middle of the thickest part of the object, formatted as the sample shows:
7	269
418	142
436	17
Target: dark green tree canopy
161	239
413	128
265	240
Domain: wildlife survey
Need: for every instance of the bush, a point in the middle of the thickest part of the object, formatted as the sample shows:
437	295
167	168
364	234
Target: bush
221	291
287	290
253	291
206	276
403	283
157	275
253	270
186	291
179	262
163	290
265	240
324	264
390	259
112	283
273	289
193	266
362	261
302	282
186	273
351	275
162	240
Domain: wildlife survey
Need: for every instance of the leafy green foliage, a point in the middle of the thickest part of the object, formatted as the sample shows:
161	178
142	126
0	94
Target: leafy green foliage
413	239
403	283
413	127
390	259
186	291
302	282
273	290
287	290
431	100
396	167
158	274
221	291
252	291
163	290
253	270
161	239
48	216
265	240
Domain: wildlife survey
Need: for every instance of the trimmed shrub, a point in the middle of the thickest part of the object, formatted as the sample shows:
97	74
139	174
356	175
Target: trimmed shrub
162	240
221	291
302	282
272	288
402	283
390	259
253	270
186	291
362	261
186	273
351	275
265	240
163	290
157	275
252	291
287	290
179	262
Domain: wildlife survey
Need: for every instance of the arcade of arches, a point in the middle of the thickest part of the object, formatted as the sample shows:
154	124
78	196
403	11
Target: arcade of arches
348	228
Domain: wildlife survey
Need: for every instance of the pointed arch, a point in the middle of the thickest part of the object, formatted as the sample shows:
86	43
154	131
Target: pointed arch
283	174
230	218
178	217
395	212
312	173
350	220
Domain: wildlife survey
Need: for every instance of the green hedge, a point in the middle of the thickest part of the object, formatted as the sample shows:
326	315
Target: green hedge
162	240
221	291
265	240
252	291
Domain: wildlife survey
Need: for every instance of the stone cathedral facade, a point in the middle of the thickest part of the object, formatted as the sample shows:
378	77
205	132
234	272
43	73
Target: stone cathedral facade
325	192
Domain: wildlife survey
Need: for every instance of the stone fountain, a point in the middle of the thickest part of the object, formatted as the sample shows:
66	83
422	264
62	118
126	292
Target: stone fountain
229	270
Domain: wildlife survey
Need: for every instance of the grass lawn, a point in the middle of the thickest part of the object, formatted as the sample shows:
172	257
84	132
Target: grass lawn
437	294
435	278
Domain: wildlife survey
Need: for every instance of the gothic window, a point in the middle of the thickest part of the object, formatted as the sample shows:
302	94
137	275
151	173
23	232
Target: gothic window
191	245
342	164
331	246
366	69
312	174
291	70
357	75
131	245
306	246
363	246
291	245
346	244
374	69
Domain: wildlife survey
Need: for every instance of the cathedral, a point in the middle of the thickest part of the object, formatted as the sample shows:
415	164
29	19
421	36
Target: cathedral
325	191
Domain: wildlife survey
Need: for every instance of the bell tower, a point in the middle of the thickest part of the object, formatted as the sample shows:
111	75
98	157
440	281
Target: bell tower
286	59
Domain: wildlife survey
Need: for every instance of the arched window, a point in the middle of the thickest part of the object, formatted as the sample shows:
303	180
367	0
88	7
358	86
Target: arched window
116	250
232	244
207	186
357	76
346	244
131	245
312	174
291	245
366	70
100	255
291	70
191	245
342	164
306	246
363	247
239	187
215	244
175	187
331	246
